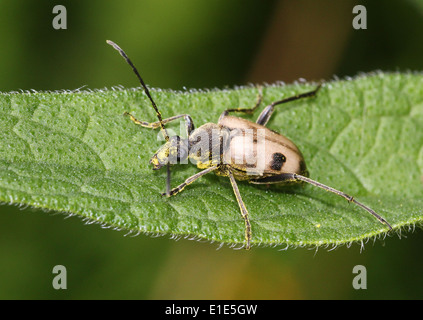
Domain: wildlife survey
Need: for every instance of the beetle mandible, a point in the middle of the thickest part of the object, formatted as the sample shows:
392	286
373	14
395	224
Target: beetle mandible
233	148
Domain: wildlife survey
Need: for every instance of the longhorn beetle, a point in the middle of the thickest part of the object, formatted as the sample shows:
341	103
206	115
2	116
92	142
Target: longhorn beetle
235	148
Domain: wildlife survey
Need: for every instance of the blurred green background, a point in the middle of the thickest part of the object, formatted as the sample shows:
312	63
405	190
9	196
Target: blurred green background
197	44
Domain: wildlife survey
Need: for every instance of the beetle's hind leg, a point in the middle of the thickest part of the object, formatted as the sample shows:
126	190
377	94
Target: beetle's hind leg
293	177
265	115
246	110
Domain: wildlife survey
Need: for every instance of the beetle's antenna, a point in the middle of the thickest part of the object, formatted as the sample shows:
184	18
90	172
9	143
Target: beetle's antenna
147	92
168	181
342	194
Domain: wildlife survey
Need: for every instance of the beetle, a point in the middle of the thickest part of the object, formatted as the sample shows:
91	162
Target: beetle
235	148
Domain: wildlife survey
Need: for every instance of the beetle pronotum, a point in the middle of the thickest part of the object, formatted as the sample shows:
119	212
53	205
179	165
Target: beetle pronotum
233	148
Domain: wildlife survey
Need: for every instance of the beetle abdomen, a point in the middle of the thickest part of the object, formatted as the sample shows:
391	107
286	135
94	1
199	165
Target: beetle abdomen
256	151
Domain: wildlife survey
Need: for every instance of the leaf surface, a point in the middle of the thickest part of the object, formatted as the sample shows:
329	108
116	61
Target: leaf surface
74	152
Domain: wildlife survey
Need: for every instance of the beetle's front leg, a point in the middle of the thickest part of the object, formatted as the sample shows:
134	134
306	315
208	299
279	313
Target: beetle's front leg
189	124
188	181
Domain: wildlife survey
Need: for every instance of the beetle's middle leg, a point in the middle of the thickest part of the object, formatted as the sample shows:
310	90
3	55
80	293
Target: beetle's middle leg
243	209
189	124
265	115
246	110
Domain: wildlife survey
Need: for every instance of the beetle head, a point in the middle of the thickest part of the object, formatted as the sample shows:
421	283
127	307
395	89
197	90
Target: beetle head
173	151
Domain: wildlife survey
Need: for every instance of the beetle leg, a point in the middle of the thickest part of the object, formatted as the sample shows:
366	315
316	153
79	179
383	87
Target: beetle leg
244	211
189	124
188	181
293	177
265	115
246	110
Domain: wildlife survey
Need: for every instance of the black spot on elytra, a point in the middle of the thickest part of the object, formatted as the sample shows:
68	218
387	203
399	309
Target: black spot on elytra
277	161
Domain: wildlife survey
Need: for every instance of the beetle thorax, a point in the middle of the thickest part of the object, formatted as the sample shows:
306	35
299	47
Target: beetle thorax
207	145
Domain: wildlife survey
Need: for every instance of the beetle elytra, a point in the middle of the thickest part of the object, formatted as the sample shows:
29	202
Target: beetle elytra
235	148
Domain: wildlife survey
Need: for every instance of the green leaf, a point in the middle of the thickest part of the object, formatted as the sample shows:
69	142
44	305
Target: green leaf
74	152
